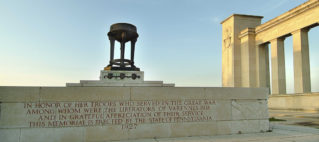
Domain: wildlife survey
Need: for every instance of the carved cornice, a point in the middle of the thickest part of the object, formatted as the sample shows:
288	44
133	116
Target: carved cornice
284	17
246	32
241	15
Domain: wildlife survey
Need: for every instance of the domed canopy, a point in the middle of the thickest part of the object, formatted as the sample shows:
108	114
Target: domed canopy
123	32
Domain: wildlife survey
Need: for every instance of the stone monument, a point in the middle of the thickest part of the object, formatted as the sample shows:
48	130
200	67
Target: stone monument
122	106
121	72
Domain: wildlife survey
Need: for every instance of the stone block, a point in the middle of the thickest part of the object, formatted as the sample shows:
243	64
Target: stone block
10	135
235	93
159	130
166	93
249	126
194	129
242	126
75	134
249	109
224	127
158	93
13	115
295	101
141	140
84	93
264	125
221	110
106	133
19	94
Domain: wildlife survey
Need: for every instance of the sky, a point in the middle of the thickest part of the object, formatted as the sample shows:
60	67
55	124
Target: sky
52	42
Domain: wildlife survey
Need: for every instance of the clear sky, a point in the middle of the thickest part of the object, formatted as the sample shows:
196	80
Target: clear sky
51	42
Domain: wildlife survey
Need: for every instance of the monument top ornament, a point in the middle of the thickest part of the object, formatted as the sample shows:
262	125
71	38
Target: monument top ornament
121	72
122	32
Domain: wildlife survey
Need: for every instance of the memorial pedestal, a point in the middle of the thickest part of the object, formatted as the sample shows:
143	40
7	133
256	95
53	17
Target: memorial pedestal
120	78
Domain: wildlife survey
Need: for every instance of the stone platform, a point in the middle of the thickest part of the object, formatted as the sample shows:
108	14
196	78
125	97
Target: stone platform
302	101
120	78
95	114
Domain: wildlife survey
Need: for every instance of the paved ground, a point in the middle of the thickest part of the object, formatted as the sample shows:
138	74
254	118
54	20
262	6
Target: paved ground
300	126
301	118
280	133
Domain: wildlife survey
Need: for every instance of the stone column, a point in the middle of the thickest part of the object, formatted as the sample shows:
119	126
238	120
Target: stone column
301	61
262	65
248	58
278	66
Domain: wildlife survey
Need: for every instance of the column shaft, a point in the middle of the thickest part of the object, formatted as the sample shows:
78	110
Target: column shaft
111	50
132	50
248	58
301	61
278	66
262	65
122	53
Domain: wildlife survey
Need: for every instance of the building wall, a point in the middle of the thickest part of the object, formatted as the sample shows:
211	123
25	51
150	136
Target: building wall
64	114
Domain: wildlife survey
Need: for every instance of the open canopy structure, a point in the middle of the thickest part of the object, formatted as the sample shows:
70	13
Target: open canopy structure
122	32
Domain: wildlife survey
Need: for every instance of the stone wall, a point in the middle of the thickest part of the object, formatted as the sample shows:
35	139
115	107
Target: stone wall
93	114
307	101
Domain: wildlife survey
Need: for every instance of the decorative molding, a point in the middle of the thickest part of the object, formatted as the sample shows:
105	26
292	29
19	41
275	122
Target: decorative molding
286	16
246	32
242	15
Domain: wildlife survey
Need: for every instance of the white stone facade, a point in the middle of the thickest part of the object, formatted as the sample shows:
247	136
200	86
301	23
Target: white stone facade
245	57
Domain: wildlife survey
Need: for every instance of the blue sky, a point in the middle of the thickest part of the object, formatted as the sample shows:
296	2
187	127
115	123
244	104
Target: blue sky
51	42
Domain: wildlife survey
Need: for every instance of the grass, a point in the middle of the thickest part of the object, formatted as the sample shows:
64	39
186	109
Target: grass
275	119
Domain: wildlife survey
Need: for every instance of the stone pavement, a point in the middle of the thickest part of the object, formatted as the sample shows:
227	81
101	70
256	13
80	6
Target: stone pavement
295	117
280	133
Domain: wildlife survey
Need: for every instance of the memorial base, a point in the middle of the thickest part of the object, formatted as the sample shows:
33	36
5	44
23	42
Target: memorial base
120	78
95	114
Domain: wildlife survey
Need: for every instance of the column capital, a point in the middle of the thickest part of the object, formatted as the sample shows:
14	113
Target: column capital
300	30
247	32
278	39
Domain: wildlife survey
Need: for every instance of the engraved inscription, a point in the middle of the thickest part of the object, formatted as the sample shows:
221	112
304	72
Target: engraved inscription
128	114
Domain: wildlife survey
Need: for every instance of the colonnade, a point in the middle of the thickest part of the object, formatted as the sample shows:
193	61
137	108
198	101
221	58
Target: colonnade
245	49
302	82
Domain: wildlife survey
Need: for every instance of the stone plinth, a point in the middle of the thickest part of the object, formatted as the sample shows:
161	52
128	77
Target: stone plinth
94	114
119	78
302	102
